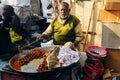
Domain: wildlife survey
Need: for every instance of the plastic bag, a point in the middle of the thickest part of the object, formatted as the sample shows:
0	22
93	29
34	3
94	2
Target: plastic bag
14	36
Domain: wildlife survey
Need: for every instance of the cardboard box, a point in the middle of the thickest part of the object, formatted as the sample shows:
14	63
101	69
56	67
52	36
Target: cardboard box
110	4
111	0
111	35
109	16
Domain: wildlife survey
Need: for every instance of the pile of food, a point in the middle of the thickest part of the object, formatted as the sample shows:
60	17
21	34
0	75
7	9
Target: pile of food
41	60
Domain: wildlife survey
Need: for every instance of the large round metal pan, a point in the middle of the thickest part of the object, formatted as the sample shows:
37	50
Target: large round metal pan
48	72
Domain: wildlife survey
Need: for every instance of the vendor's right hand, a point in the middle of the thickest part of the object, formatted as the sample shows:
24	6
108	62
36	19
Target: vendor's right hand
43	36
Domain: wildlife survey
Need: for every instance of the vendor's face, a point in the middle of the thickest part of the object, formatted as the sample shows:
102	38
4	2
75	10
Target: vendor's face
63	12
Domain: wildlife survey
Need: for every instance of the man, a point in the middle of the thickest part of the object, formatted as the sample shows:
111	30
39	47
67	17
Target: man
21	8
55	4
47	9
10	19
50	8
65	27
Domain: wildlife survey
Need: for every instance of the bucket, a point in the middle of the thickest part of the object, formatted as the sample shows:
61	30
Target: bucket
94	66
96	51
93	71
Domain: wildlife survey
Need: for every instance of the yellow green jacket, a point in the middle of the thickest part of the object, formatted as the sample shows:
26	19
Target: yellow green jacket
64	31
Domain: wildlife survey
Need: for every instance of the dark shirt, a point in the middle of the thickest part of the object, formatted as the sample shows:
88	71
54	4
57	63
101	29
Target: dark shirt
5	41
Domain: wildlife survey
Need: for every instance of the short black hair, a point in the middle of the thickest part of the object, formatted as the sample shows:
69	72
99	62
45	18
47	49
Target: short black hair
9	9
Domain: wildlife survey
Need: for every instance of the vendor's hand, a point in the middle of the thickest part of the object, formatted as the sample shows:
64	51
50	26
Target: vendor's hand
77	45
20	48
43	36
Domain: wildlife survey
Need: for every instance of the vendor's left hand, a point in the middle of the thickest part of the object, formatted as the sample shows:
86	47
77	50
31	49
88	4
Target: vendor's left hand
77	44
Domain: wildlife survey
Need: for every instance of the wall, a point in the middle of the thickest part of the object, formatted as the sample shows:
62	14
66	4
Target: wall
88	13
96	23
